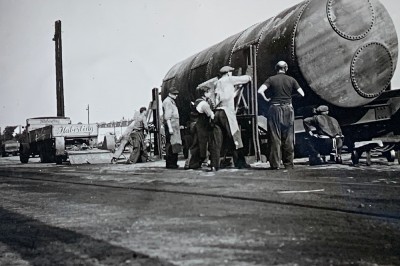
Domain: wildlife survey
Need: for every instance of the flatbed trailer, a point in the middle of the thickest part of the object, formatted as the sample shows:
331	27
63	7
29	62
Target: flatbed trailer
56	139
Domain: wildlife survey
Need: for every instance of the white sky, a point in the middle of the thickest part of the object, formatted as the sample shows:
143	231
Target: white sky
114	52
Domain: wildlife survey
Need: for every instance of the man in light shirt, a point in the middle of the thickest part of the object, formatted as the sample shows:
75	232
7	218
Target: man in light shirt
172	129
225	115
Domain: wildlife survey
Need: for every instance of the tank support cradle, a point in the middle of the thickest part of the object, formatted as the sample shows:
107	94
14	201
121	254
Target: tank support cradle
368	146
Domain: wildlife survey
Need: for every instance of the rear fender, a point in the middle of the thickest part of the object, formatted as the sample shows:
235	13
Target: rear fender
60	146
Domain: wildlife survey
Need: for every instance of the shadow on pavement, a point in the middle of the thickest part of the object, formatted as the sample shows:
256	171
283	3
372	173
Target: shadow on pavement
42	244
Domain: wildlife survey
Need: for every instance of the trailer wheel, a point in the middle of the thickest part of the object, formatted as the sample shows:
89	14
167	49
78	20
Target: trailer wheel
59	159
390	155
24	152
355	157
24	158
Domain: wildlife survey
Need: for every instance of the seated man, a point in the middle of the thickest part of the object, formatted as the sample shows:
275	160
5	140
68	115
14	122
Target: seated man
328	135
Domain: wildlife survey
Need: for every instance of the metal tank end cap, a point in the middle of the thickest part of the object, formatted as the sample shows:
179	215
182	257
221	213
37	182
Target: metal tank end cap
372	78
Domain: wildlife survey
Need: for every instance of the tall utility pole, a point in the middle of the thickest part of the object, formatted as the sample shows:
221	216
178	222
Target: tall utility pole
59	70
87	113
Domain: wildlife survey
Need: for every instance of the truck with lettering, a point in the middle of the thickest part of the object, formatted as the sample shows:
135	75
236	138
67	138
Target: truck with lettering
54	139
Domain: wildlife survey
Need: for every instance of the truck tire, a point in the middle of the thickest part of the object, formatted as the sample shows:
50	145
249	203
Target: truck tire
355	157
390	155
46	152
24	152
59	159
24	158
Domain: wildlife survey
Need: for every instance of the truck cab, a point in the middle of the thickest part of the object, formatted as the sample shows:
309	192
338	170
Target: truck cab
9	147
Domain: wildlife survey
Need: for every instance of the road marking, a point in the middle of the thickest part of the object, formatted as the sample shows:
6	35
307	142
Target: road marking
300	191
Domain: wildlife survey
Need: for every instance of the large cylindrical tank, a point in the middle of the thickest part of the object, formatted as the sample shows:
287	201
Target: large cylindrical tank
342	52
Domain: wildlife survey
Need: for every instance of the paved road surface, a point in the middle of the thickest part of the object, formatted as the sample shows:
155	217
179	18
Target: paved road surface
145	214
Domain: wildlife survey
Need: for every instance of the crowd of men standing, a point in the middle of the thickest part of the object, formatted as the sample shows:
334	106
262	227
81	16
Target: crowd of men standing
215	130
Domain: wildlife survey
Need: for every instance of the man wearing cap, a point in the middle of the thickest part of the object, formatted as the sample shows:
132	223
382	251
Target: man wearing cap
280	116
139	153
134	135
201	130
225	117
327	137
172	129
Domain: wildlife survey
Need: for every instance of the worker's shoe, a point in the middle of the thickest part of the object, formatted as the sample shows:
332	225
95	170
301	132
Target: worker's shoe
172	166
243	165
114	160
339	160
274	168
315	160
225	163
212	169
289	166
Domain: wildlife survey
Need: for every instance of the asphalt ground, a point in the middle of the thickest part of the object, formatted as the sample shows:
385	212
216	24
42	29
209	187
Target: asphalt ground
145	214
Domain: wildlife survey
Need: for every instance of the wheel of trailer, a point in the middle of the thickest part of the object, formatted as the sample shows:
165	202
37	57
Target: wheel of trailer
368	161
59	159
41	156
23	158
24	152
355	157
390	155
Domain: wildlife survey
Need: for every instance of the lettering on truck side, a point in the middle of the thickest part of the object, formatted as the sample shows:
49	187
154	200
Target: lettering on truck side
75	130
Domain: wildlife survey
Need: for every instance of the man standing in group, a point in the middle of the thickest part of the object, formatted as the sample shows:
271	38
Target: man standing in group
225	117
280	116
172	129
139	153
202	129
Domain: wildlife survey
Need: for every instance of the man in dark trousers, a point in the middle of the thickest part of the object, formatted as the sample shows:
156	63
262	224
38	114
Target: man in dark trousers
202	129
327	137
229	136
139	153
280	116
172	129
